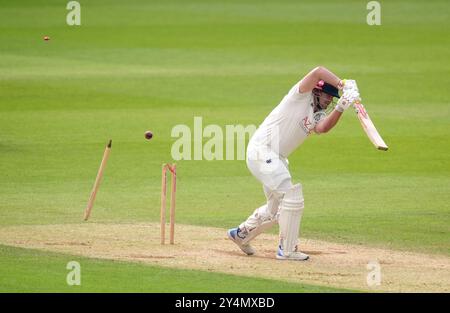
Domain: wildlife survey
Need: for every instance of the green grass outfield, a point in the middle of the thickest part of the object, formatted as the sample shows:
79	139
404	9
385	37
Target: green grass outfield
138	65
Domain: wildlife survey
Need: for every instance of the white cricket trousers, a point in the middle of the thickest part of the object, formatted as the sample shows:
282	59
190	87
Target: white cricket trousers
272	171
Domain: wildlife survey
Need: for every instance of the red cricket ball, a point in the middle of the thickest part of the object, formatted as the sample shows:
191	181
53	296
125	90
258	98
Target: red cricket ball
148	135
46	38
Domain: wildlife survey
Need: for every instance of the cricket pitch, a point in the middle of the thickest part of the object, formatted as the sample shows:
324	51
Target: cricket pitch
209	249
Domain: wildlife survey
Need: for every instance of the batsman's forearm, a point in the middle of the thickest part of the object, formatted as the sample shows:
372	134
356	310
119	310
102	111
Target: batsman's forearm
328	76
311	79
329	122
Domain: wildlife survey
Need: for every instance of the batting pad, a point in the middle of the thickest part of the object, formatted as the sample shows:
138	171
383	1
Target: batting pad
291	212
258	230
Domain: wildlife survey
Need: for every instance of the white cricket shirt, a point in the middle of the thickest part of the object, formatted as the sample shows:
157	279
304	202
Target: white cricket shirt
289	124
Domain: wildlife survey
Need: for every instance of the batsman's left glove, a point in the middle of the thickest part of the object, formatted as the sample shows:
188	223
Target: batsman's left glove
349	84
348	98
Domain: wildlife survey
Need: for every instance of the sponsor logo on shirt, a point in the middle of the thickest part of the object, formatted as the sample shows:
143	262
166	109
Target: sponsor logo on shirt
307	125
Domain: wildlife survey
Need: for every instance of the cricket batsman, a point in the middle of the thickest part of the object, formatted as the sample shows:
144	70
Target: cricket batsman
301	112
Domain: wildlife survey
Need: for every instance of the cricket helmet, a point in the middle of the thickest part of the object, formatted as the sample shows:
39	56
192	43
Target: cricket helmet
327	88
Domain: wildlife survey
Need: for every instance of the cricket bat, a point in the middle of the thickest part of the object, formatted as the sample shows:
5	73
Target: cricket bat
369	127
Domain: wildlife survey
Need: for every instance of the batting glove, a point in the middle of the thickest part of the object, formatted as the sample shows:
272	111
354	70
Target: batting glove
347	99
350	84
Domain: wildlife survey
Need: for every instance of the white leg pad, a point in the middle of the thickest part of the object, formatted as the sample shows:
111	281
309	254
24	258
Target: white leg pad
258	230
291	211
263	218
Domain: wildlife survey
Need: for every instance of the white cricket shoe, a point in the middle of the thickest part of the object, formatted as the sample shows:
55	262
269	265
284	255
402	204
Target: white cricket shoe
294	255
236	236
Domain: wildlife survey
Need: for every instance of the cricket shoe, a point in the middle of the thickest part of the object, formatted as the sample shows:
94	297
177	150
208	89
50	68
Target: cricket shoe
237	237
294	255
